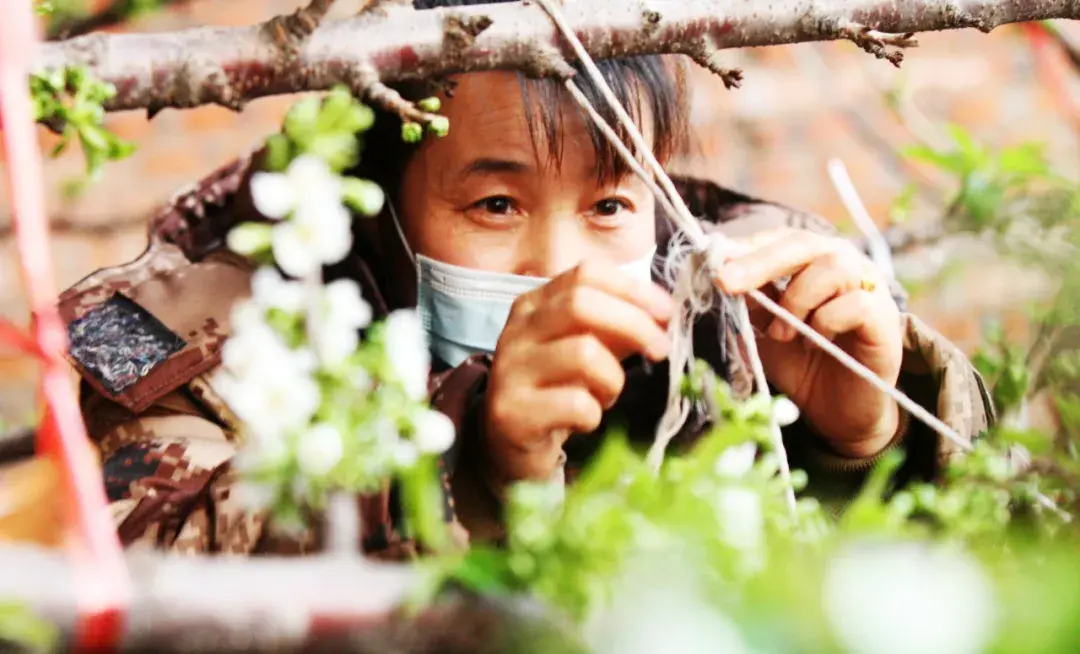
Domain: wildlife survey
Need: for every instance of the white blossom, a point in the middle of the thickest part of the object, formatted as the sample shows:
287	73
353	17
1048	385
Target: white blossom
274	405
433	431
405	454
344	313
784	411
259	452
252	343
407	350
741	517
360	379
307	179
345	305
269	290
319	234
736	461
319	449
253	496
898	598
266	384
319	228
660	605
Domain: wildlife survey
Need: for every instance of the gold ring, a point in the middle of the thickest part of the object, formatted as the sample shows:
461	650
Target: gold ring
867	283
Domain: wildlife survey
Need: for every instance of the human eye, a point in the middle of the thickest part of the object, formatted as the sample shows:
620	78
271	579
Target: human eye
610	209
498	205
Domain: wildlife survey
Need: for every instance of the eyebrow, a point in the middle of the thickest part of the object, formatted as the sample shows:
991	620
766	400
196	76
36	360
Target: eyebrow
491	165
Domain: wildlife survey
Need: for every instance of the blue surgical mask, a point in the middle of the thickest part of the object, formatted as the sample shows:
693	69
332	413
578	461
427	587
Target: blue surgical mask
465	310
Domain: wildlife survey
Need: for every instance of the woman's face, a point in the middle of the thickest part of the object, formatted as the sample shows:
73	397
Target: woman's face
486	197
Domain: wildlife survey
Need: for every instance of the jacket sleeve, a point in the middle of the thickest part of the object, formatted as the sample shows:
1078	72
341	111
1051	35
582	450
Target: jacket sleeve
935	374
167	477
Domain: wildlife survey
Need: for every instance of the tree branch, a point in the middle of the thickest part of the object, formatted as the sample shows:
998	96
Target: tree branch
230	66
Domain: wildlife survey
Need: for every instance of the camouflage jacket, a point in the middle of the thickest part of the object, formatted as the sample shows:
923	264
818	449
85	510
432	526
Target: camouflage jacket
156	326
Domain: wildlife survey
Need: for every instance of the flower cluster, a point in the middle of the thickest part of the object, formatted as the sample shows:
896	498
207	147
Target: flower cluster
322	409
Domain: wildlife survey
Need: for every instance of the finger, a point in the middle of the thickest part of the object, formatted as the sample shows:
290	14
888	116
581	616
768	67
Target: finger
827	277
858	311
582	360
537	413
647	295
622	326
775	259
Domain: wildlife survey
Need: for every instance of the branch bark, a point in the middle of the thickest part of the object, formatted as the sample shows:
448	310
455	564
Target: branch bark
230	66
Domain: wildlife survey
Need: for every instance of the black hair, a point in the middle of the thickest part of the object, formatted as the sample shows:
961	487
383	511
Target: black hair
643	84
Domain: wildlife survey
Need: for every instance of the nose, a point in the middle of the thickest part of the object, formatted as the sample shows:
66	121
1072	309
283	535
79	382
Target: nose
554	244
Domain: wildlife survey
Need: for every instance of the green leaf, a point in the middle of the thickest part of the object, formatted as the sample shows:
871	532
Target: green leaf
900	209
869	511
484	570
949	161
19	626
278	153
975	155
422	494
1025	160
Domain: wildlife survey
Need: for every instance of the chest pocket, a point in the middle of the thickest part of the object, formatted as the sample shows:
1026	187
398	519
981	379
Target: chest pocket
136	342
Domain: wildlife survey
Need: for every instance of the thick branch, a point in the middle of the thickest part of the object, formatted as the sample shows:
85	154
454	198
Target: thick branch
232	65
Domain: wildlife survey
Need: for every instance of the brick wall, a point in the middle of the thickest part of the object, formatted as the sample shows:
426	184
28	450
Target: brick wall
799	106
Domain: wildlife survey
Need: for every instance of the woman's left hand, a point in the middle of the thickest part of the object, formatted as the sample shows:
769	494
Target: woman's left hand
836	290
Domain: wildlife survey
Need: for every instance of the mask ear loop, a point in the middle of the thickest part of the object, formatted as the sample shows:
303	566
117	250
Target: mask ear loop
400	231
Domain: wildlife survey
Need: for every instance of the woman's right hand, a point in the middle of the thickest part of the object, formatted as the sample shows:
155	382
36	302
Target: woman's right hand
557	366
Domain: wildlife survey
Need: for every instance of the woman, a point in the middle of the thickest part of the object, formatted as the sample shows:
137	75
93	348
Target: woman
529	248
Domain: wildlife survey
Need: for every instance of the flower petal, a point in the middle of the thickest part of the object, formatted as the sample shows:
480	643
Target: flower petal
272	194
433	432
320	449
313	180
293	249
345	305
270	290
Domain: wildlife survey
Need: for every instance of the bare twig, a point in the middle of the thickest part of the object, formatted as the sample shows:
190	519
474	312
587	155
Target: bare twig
290	30
233	65
707	55
875	42
877	245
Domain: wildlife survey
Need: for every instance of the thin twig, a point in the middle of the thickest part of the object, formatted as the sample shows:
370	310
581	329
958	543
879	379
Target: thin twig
290	30
880	253
875	42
